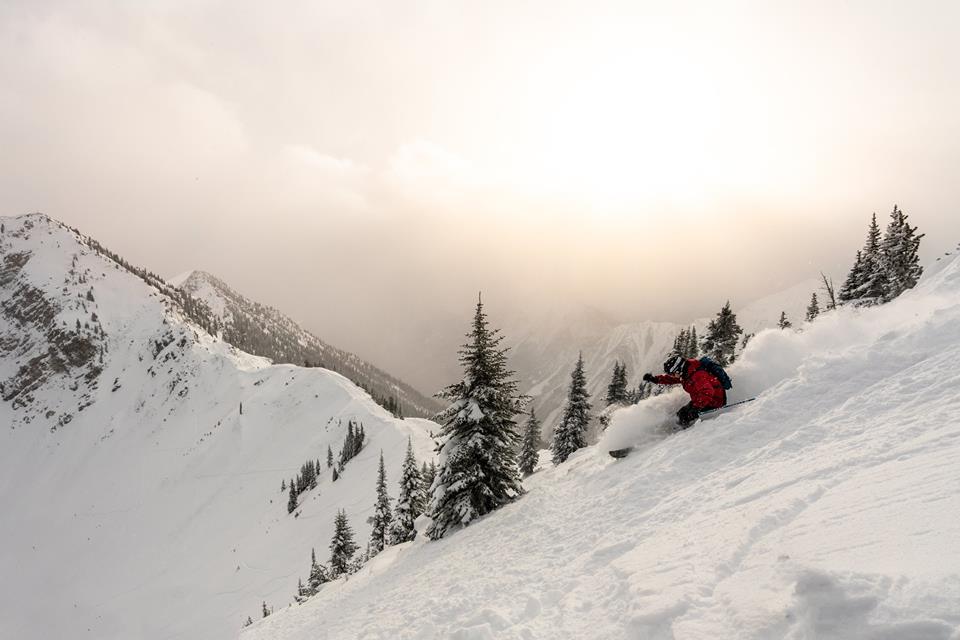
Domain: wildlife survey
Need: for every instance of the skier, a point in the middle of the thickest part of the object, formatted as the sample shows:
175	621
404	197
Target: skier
704	380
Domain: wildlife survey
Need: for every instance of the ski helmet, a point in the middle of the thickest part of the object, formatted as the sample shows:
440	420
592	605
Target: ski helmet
674	365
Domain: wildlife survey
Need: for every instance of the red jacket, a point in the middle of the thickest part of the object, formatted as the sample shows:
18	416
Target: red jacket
705	390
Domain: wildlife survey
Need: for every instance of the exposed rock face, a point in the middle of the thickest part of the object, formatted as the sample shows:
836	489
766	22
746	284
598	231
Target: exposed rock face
37	337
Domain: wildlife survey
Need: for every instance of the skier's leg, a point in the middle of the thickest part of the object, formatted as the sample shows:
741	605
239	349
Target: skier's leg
687	416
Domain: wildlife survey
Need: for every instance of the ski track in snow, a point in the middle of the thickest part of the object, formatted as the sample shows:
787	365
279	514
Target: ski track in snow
827	509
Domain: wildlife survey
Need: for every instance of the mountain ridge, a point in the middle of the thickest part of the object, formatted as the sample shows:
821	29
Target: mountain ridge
155	509
263	330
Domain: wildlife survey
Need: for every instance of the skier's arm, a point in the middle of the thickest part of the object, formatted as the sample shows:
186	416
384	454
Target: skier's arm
666	379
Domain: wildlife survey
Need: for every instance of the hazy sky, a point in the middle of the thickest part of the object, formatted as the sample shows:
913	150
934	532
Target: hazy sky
371	164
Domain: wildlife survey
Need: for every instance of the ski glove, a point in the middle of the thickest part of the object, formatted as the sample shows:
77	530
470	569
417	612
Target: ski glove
648	377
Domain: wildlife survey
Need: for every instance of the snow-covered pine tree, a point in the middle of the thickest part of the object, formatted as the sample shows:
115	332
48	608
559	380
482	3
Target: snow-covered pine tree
342	546
478	460
680	342
410	501
283	485
292	500
428	472
723	333
570	434
854	280
329	457
613	380
318	574
784	323
382	515
617	389
530	446
874	274
901	261
692	348
266	611
813	309
346	452
301	592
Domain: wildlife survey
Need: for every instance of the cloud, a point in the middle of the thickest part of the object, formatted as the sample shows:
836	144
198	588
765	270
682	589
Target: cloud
400	158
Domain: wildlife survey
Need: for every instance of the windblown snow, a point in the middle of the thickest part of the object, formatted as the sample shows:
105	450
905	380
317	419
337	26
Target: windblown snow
544	354
136	501
828	508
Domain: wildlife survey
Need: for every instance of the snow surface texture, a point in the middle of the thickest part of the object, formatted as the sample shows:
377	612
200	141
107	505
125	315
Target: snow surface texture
156	511
827	509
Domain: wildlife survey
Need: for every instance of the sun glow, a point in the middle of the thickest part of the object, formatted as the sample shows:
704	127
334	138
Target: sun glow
632	115
619	130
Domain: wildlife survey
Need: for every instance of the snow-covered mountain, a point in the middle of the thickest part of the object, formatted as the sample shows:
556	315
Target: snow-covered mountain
828	509
137	499
544	354
262	330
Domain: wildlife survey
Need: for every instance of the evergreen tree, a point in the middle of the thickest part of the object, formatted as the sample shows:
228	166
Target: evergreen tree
292	500
318	574
346	452
329	457
692	348
478	465
530	447
871	290
266	612
342	546
301	591
784	323
283	485
336	475
813	309
382	515
723	333
854	280
410	502
900	258
428	472
570	434
617	389
680	342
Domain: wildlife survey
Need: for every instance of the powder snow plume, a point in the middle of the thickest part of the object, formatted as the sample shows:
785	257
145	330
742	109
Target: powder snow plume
774	357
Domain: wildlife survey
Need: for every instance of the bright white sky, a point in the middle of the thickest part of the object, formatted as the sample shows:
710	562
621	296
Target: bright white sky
351	161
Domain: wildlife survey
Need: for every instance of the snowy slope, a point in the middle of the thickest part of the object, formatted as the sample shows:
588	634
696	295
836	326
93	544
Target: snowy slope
544	354
829	508
155	511
262	330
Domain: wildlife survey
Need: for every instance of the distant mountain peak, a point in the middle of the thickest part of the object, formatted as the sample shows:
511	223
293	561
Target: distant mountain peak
265	331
